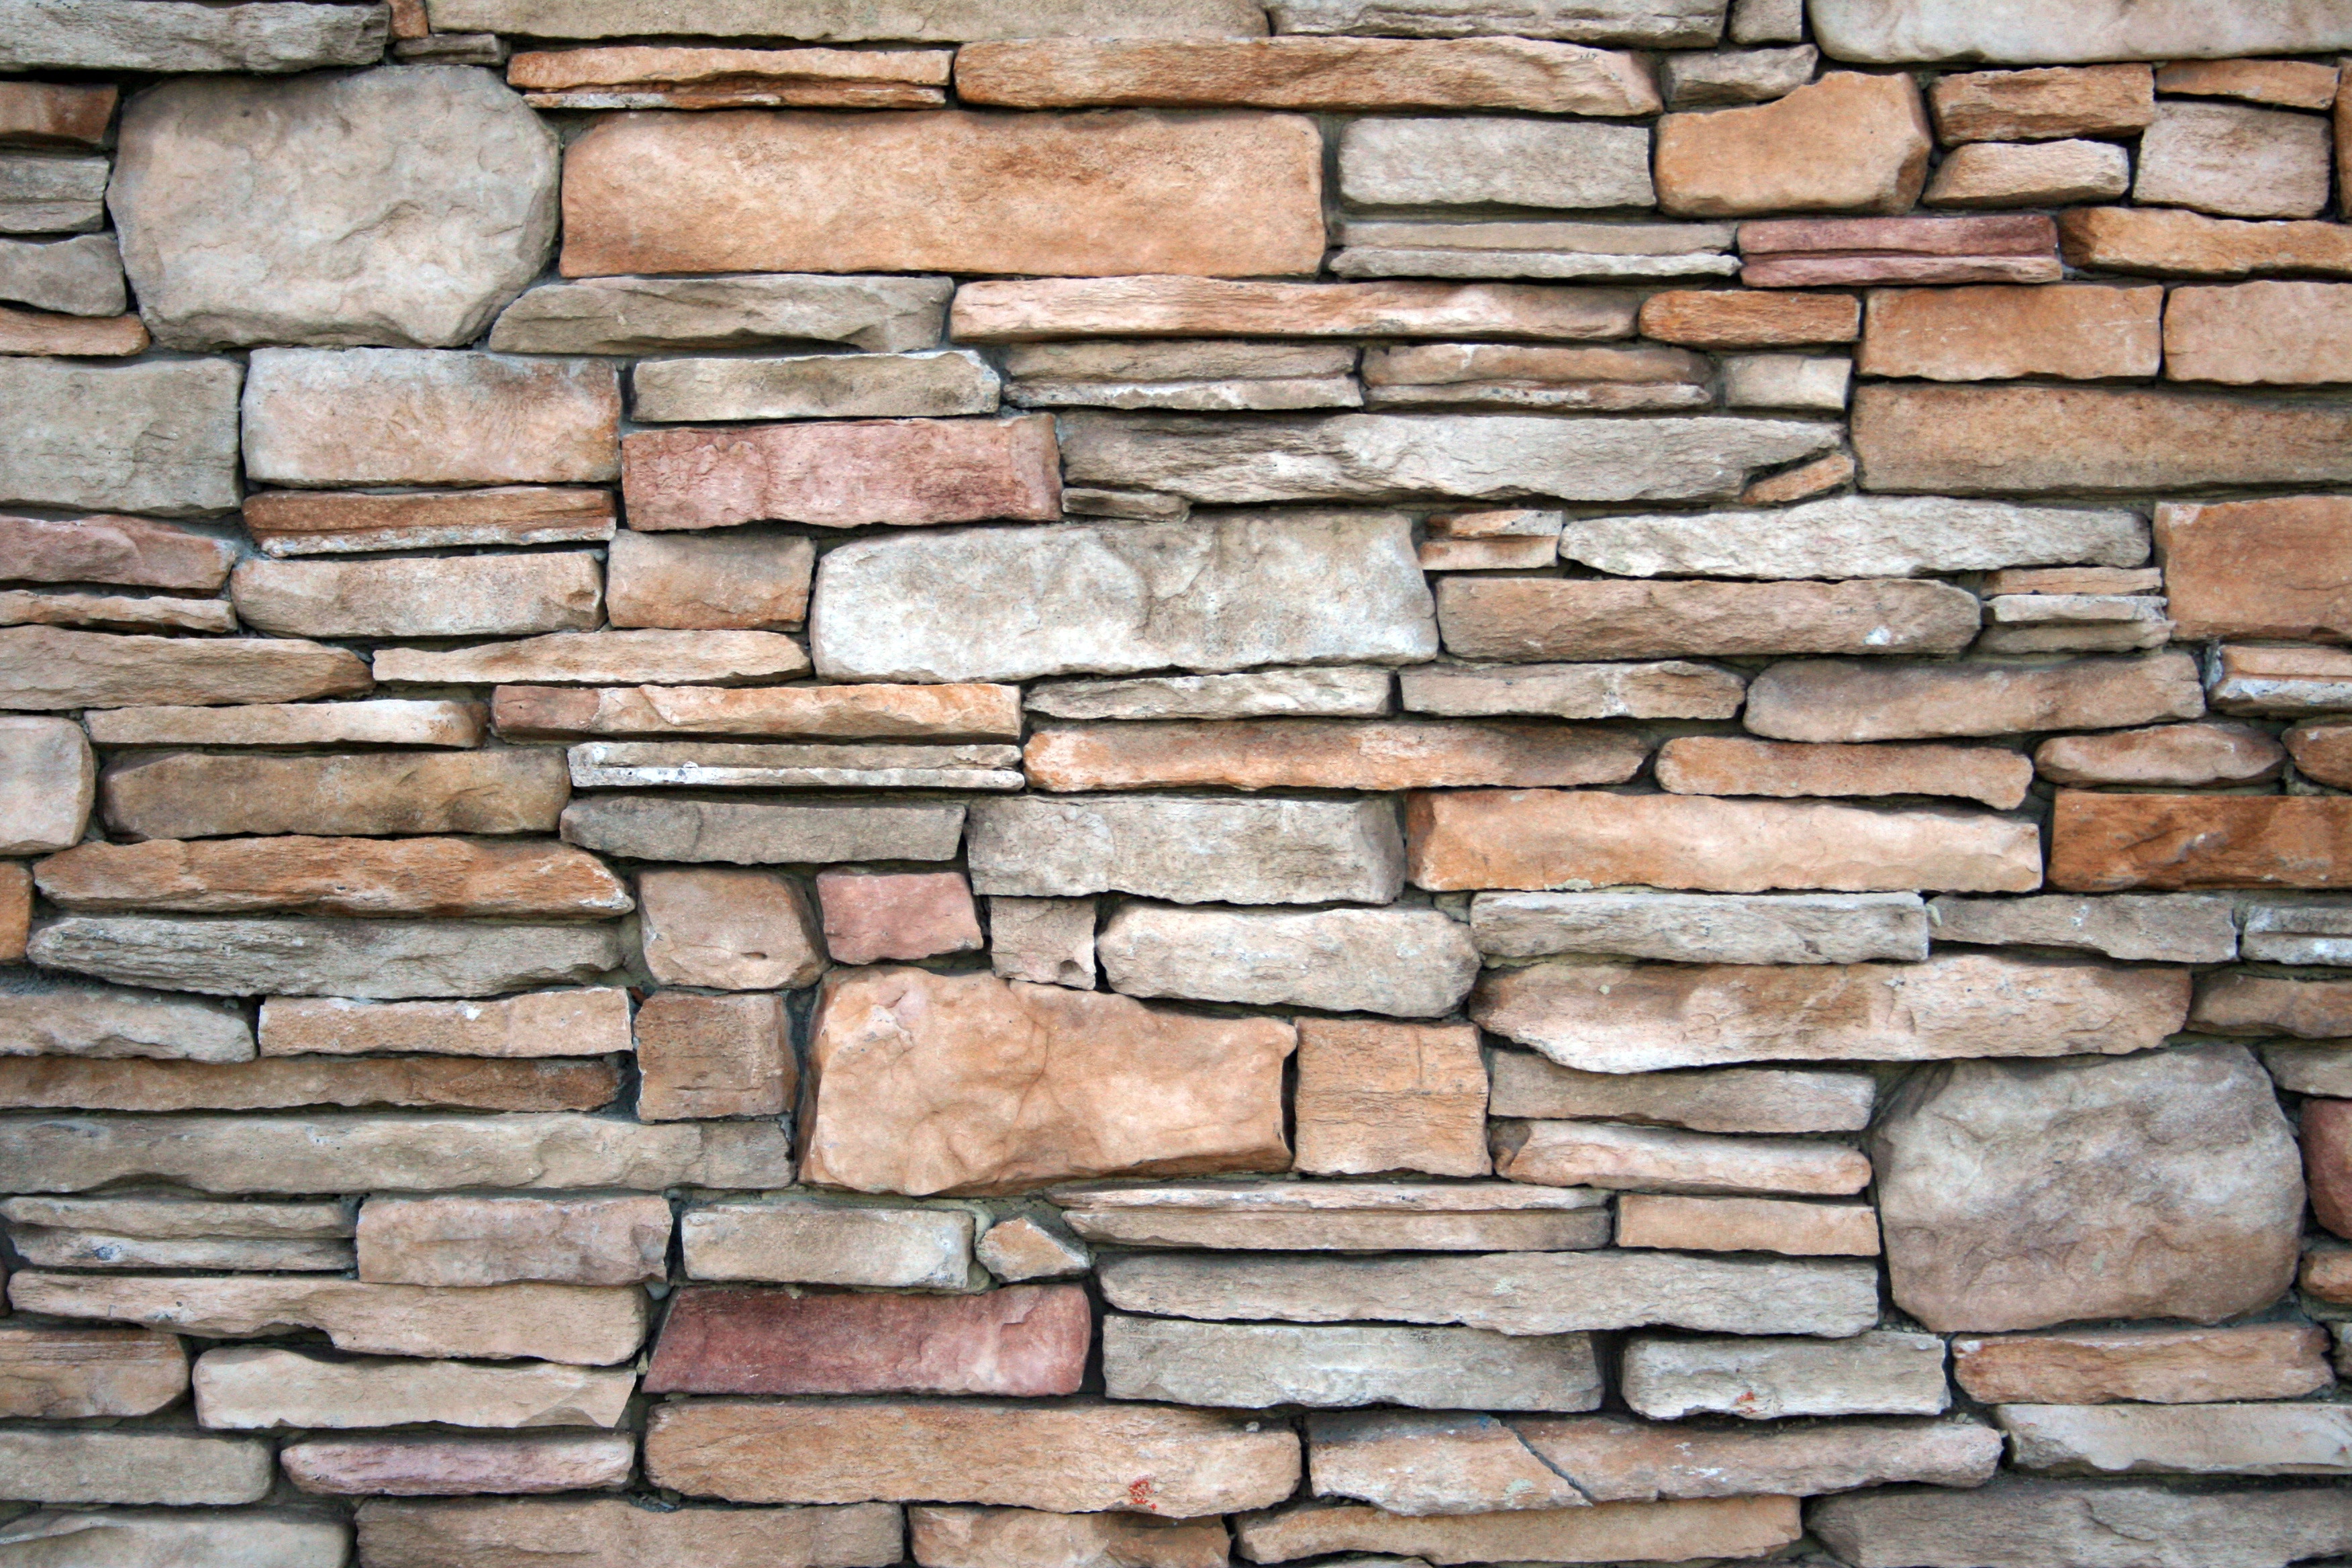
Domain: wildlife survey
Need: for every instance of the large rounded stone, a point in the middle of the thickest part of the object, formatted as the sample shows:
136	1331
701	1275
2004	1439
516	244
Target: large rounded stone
2018	1195
402	206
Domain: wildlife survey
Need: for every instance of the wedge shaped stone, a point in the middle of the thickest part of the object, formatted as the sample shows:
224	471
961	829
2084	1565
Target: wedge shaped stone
498	1534
1187	849
208	794
1027	1342
1406	964
1704	928
227	956
1253	1366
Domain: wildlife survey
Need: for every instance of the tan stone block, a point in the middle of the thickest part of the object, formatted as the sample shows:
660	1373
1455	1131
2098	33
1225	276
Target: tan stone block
872	916
44	667
1305	753
1731	319
1724	764
1748	1224
1325	74
2193	1439
2327	1274
16	910
1661	690
2161	1366
1027	1538
651	77
60	1374
598	659
468	595
250	1388
1849	142
928	1083
2292	84
1389	1097
1881	1372
1802	482
388	722
757	833
729	930
1724	1100
496	1534
116	612
2290	681
1854	700
2235	160
1351	1216
469	1240
2190	245
2266	333
1048	942
945	192
46	113
2322	750
2167	756
449	1466
2081	332
335	875
88	337
2226	564
2105	843
1565	619
2243	1004
1668	1160
199	794
810	1240
1079	1456
2043	105
131	550
739	582
701	1057
1552	838
536	1024
1401	963
844	474
1784	253
2047	173
49	1017
2073	579
1029	1248
1603	1533
159	1086
335	522
1030	1340
2022	1524
997	310
93	1465
877	712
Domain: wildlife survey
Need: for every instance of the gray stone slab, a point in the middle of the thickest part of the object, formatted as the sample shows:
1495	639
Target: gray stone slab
77	277
52	192
159	438
1250	1366
748	832
1704	928
175	36
642	315
2181	928
372	959
1188	849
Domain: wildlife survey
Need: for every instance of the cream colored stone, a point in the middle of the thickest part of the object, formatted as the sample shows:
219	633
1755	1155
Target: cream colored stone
638	315
69	1465
479	1240
1664	690
1848	701
498	1534
656	764
1027	1538
818	1240
1666	1160
1514	163
1253	1367
2178	1439
1048	942
1702	1530
734	931
2175	756
248	1388
61	1373
945	712
2262	333
2235	160
536	1024
1340	1217
1849	142
1748	1224
2047	173
1883	1373
707	1057
468	595
1186	849
1404	963
49	780
1595	619
1720	1099
757	833
388	722
155	1538
2161	1367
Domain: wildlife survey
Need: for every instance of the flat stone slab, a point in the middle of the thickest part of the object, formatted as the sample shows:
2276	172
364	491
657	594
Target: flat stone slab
62	1374
588	1022
251	1538
1022	1538
1704	928
1327	1216
2026	1524
439	1465
1698	1530
46	667
1187	849
657	764
461	1239
861	713
1406	964
2158	1366
843	473
182	1469
227	956
159	438
335	875
252	1387
1027	1342
601	659
1855	536
1253	694
1936	30
285	1082
2280	1440
1707	1100
131	35
818	1240
747	833
46	1016
1883	1373
177	795
498	1534
1253	1366
641	315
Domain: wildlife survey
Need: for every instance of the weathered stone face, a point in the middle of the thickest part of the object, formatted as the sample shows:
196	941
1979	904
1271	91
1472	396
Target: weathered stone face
500	1534
843	475
159	438
444	1465
822	1241
1028	1342
1027	1538
1849	142
208	794
1745	1527
634	315
2158	1366
1187	849
1250	1366
733	931
1405	963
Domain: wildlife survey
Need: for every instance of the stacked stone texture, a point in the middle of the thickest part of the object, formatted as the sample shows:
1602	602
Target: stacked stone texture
1056	783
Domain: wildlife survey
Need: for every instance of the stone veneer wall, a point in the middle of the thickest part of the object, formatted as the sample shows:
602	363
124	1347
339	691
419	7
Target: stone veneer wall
1059	783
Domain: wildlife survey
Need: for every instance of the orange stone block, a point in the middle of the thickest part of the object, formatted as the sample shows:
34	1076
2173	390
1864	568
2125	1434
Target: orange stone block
2107	843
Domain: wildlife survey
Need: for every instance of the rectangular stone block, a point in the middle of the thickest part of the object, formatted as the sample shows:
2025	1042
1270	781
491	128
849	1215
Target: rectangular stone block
2045	105
181	1469
1731	765
126	550
945	191
1305	753
601	659
254	1388
1855	536
1852	701
81	276
2155	1366
1748	1224
651	764
468	595
1027	1538
1703	928
1664	690
446	1466
728	581
45	1016
1668	1160
848	474
1582	619
1472	161
497	1534
44	667
1252	694
1722	1100
68	1373
55	114
1700	1529
536	1024
466	1240
654	77
758	834
158	438
1253	1367
329	523
1559	838
251	1538
208	794
702	1056
2268	333
816	1240
52	192
1340	1217
1389	1097
1187	849
999	310
387	722
325	417
636	315
2078	332
1028	1342
144	1085
1883	1373
1726	319
1075	1457
2103	843
2177	1439
861	713
384	960
2227	572
2157	929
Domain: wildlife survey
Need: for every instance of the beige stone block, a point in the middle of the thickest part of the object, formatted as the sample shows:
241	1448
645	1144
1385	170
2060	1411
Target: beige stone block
757	833
89	337
1723	764
49	780
2156	1367
727	930
2105	843
2262	333
388	722
702	1056
816	1240
497	1240
601	659
731	582
1883	1373
652	77
1187	848
299	954
2297	1439
129	550
2043	105
877	712
1668	1160
286	1082
250	1538
1727	319
2045	173
1340	1217
996	310
203	795
1027	1538
116	612
497	1534
2159	928
1673	689
335	875
2235	160
1408	963
44	667
1047	941
1854	700
1720	1099
2185	244
1542	618
1748	1224
593	1021
1471	161
86	1464
344	523
61	1373
1027	1248
1253	1367
2080	331
434	1465
1389	1097
250	1388
2291	84
1603	1533
1849	142
16	910
2166	756
873	916
455	597
1306	754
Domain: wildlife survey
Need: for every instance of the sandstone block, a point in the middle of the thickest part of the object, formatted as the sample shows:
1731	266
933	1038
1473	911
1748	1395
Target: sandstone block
1159	306
1080	1456
159	438
1014	1085
196	795
15	911
1725	320
1605	1532
441	877
1252	1366
2178	756
1511	1293
363	723
2236	161
81	276
1047	941
950	712
1849	142
1389	1097
842	474
87	1466
2223	562
2031	1233
832	21
1252	694
1851	700
805	1239
474	1241
2049	104
537	1024
2156	1366
1920	30
622	764
2159	1439
1721	1100
1025	1538
250	1388
2309	1070
1243	590
2163	930
2327	1161
125	550
2079	331
610	1529
1734	75
1673	689
1878	1373
1661	23
49	780
705	1057
1640	1017
1404	963
1727	765
262	211
728	582
818	386
1027	1248
1340	1217
63	1373
638	315
381	960
601	659
1187	849
1563	838
2027	1523
2320	751
54	114
1560	618
945	191
1663	1160
470	595
731	930
323	417
1300	753
114	35
1203	376
2242	1004
1748	1224
2106	842
49	1017
1514	163
342	522
871	916
52	192
653	77
1802	482
1787	380
27	332
144	1085
2295	84
1028	1342
1787	252
2280	680
2049	174
404	1152
150	1538
755	833
444	1465
2186	244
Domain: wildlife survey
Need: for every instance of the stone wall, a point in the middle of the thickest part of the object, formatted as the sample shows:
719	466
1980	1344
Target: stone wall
1069	784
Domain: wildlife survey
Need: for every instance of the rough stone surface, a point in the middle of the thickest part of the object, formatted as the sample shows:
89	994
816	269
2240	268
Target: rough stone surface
2080	331
1389	1097
59	1373
1300	753
151	1538
1349	1217
1027	1538
1748	1224
475	1241
1513	163
1849	142
2223	573
2025	1524
2156	1367
706	1057
1405	963
344	523
871	916
1673	689
1879	1373
158	438
390	722
1557	619
1639	1017
1842	700
2176	756
2164	929
759	834
444	1465
818	386
46	1016
610	1529
1159	306
472	596
843	475
1253	1366
600	659
731	931
2235	160
949	712
735	582
126	35
198	794
820	1241
1941	30
1048	942
926	1083
563	1085
2203	1439
2107	842
373	959
178	1468
634	315
1724	1100
1188	849
2020	1195
1028	1247
81	276
403	205
845	21
1700	1529
1027	1342
1726	765
1667	1160
49	780
536	1024
250	1388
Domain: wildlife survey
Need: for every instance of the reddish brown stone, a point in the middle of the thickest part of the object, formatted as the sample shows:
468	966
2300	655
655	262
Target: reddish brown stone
2291	84
701	1057
89	337
2274	568
2327	1274
2161	1366
728	929
2259	1005
335	875
1308	753
2106	843
880	712
56	113
1728	765
650	76
1795	253
1802	482
2328	1161
1726	319
203	795
2277	333
845	473
439	1465
2167	756
742	582
2082	331
2323	751
129	550
1027	1342
310	522
871	916
80	1084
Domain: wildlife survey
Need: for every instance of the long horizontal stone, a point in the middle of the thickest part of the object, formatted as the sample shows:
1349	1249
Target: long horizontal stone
129	550
1844	701
1722	1100
591	1022
850	21
1680	23
1668	1160
143	1538
1253	1366
472	596
1028	1342
39	1083
1703	928
2102	842
1855	536
1612	1017
999	310
159	438
1406	964
1471	456
566	1323
1230	195
436	1464
1300	754
1702	1530
1920	31
1079	1456
655	764
1734	765
1027	1538
502	1534
66	1374
2156	1366
1597	618
1884	1373
46	668
862	713
125	612
2161	929
202	795
344	523
1970	440
1187	849
1340	1217
386	959
844	474
321	1153
1253	694
1422	1464
178	1468
1217	593
134	35
46	1016
254	1387
600	658
759	834
805	1239
386	722
815	386
1511	1293
444	877
182	1218
640	315
41	1248
467	1240
1673	689
2026	1524
1544	838
1788	1227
